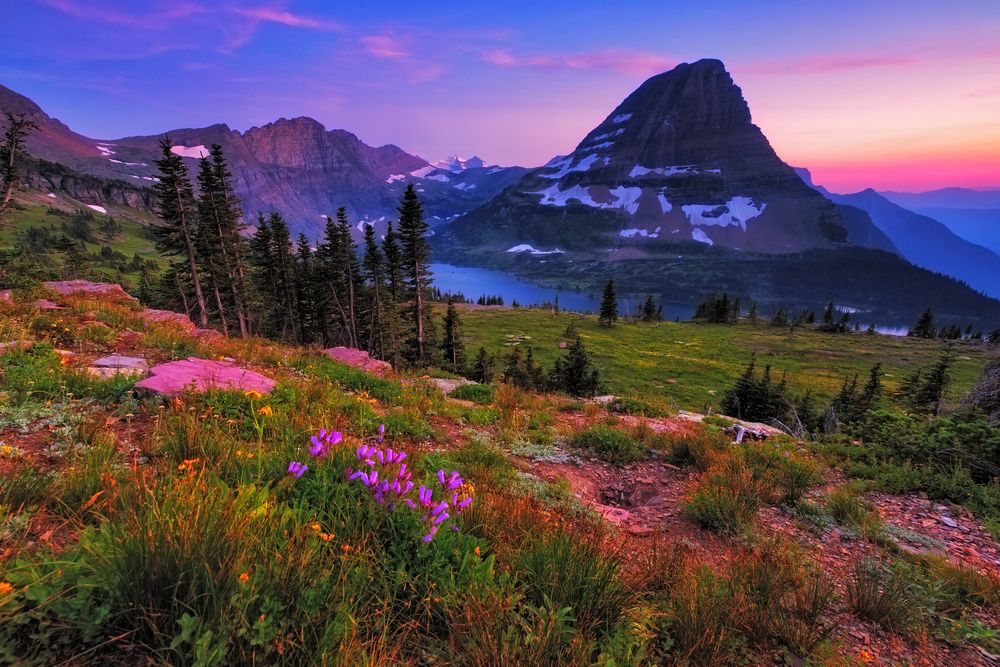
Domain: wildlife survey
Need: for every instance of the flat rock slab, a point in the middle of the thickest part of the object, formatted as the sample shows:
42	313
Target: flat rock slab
194	374
152	315
19	345
66	287
45	304
108	372
121	361
359	359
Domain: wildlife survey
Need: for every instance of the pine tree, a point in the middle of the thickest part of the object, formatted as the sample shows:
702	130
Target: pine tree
649	310
752	316
227	217
11	150
283	268
305	302
452	348
927	390
575	373
872	390
414	253
482	367
373	264
349	265
609	305
177	211
924	328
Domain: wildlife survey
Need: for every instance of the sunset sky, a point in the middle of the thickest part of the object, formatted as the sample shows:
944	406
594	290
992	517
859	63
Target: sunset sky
905	96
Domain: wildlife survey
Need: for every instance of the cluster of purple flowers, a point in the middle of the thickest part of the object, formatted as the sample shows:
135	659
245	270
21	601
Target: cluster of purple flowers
389	480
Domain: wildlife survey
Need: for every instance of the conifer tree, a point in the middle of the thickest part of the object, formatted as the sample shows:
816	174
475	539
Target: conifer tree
609	305
12	149
373	265
924	328
575	373
177	236
649	309
452	348
482	367
287	324
305	301
349	265
414	253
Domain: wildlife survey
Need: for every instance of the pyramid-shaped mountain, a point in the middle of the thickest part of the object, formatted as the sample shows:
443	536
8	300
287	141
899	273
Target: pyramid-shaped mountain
678	161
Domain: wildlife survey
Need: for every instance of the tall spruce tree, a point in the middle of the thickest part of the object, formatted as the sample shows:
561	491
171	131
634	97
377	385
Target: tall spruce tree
452	348
286	324
649	310
609	305
177	210
373	266
12	149
575	373
414	253
348	262
924	328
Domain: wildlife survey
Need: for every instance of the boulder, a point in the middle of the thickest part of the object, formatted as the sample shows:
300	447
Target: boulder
6	295
358	359
154	316
447	385
13	345
121	362
194	374
67	287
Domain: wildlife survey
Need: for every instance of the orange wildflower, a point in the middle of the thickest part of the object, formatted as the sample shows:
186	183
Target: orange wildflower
244	578
5	588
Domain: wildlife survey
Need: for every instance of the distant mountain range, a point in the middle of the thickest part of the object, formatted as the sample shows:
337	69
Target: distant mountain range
296	167
923	240
675	193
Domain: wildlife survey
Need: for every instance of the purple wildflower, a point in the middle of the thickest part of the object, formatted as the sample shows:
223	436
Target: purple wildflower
321	443
297	469
381	433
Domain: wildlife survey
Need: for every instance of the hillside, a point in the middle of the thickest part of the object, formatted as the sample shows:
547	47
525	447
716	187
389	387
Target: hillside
224	519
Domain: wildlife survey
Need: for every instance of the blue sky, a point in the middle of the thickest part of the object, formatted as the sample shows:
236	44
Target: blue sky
902	95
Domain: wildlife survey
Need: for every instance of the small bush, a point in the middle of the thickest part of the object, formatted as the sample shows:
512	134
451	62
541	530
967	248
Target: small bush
609	444
884	594
848	507
631	406
481	394
696	448
795	476
728	496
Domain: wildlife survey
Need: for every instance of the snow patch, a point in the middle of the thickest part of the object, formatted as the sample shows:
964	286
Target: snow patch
624	197
596	147
195	152
465	186
700	236
565	165
51	194
738	211
644	233
665	205
524	247
395	177
608	135
639	170
423	171
128	164
105	149
99	209
439	177
621	118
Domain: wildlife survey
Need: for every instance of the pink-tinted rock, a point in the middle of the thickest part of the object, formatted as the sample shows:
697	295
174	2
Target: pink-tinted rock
194	374
66	287
120	361
359	359
153	315
6	295
208	334
45	304
14	345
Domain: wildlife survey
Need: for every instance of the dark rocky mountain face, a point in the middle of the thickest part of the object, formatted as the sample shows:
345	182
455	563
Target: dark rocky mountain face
296	167
678	161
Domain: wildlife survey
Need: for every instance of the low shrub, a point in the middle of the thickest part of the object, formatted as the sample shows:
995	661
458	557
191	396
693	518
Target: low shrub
481	394
885	594
695	448
609	444
728	496
631	406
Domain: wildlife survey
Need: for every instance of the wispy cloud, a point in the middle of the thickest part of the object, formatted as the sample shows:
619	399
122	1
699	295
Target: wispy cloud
287	18
617	60
384	46
91	11
832	62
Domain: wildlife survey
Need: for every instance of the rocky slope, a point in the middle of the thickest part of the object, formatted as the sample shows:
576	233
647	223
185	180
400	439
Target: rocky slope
678	161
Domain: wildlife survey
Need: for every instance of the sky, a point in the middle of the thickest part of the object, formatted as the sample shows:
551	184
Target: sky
890	94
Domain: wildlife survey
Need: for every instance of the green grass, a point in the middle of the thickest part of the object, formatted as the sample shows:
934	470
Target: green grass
691	364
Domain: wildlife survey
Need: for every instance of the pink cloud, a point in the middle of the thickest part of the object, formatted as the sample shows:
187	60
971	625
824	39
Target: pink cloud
617	60
287	18
833	62
90	12
384	46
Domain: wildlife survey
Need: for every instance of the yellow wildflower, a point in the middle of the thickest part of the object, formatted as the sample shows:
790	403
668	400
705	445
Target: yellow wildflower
253	394
266	411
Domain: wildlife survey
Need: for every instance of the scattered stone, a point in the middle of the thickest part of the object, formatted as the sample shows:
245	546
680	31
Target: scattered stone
358	359
154	316
194	374
446	385
604	400
7	295
948	521
121	361
15	345
45	304
563	345
65	355
67	287
208	334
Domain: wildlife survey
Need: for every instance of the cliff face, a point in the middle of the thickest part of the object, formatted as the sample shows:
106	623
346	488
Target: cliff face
678	160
